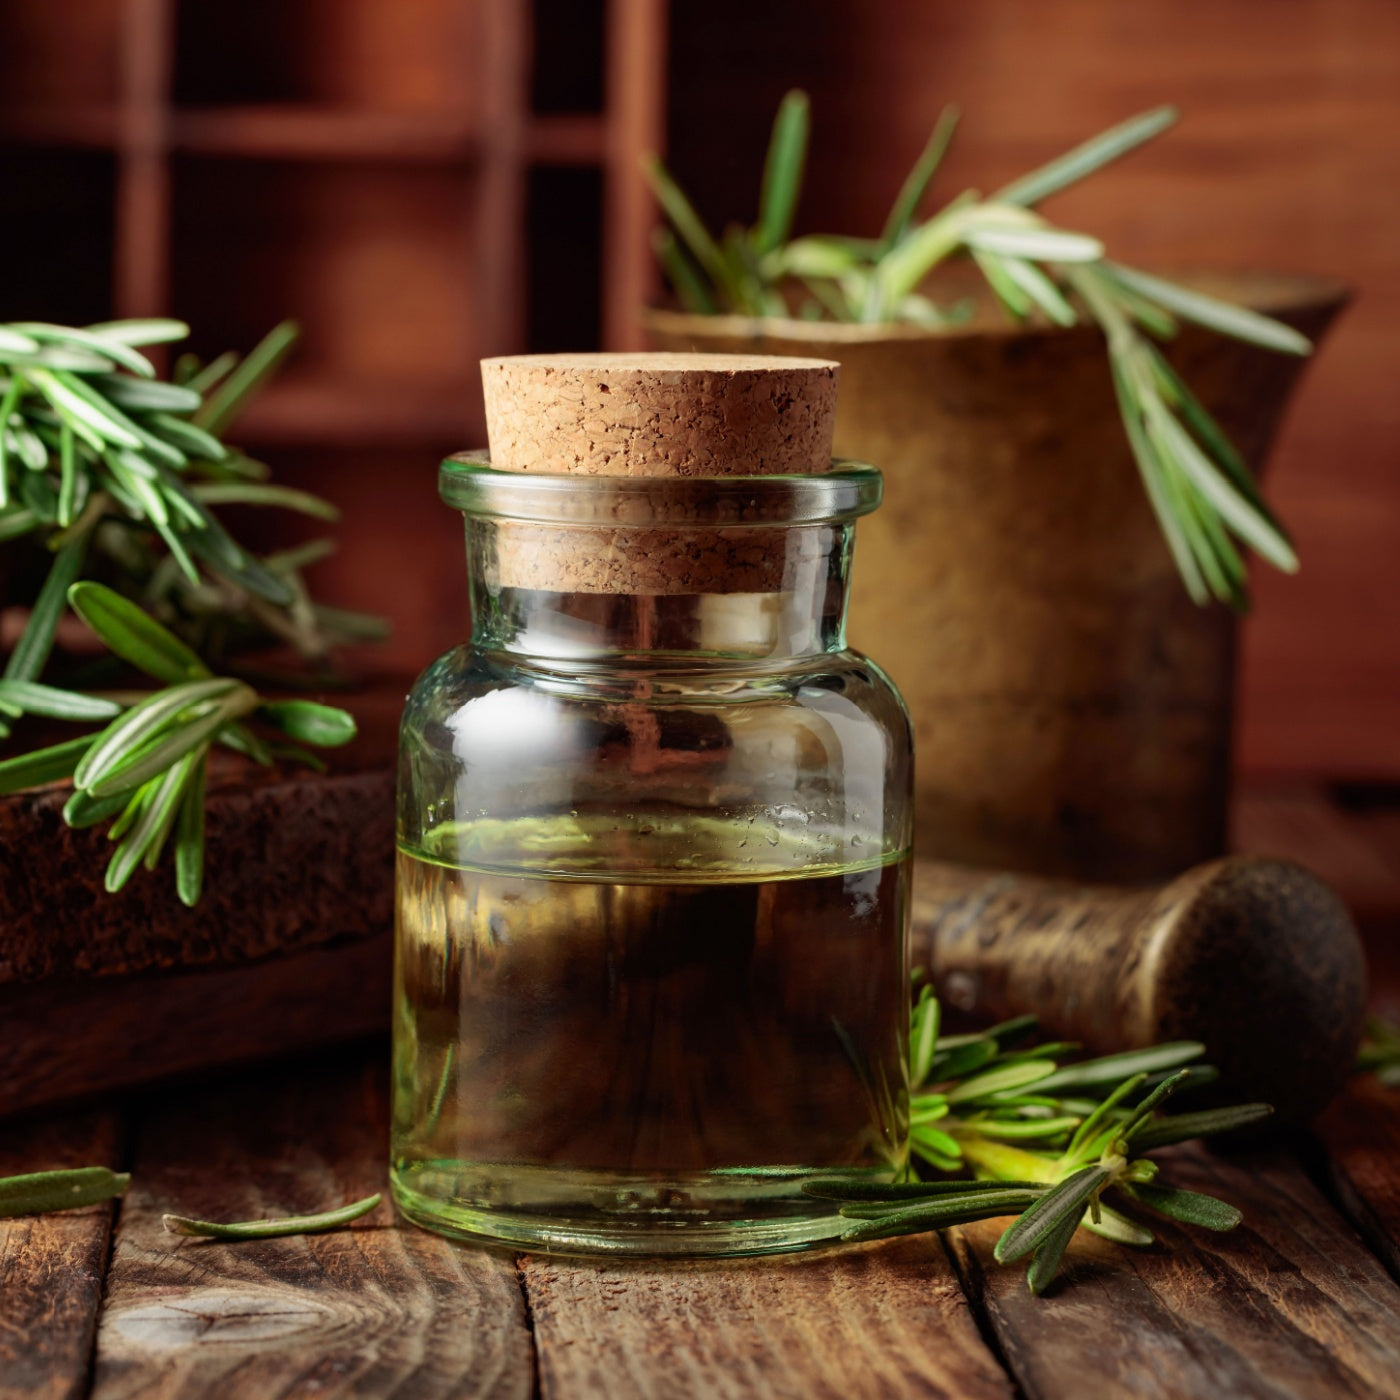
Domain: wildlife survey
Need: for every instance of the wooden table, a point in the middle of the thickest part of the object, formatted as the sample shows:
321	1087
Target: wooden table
1301	1300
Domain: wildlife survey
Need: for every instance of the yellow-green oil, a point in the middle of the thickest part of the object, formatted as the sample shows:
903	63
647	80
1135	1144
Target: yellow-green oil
643	1037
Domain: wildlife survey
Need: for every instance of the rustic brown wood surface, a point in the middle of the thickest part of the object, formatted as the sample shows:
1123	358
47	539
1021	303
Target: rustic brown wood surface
1301	1301
835	1325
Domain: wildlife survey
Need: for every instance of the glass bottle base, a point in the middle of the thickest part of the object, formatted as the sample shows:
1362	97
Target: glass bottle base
707	1215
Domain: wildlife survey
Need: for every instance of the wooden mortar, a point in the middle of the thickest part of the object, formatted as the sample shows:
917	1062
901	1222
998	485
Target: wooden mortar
1072	707
1256	958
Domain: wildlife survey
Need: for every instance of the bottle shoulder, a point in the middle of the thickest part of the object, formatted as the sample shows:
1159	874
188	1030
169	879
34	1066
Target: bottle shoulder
845	681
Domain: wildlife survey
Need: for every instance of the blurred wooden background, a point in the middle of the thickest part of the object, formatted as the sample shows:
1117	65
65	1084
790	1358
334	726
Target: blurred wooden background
430	181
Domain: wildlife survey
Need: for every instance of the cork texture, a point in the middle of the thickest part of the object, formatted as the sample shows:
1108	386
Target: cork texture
660	414
655	415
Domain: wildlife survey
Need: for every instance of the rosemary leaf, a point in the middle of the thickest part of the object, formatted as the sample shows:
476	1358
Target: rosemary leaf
126	735
111	347
1110	1069
1235	321
40	766
1041	243
218	493
916	183
271	1229
34	699
28	658
1001	1080
233	394
782	172
1182	1127
189	839
1084	159
134	635
150	330
840	1188
181	737
1190	1207
1050	1252
322	725
67	1189
681	273
1068	1199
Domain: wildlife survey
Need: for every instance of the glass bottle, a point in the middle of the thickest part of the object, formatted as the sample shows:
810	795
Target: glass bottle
653	867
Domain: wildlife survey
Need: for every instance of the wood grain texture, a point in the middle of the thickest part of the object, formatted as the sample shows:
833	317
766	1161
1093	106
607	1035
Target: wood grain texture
376	1309
62	1039
1289	1304
293	862
885	1321
1361	1133
51	1266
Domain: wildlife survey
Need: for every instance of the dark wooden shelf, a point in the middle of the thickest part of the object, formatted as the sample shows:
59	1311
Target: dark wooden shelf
307	132
307	411
573	139
96	125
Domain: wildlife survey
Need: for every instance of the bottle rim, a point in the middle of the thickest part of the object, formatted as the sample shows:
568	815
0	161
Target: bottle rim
468	482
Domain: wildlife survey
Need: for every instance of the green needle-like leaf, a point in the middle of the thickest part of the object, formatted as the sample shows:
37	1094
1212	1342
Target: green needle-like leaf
29	657
1069	1198
916	183
34	699
1112	1069
689	226
126	735
321	725
134	767
41	766
110	346
1235	321
235	392
271	1229
975	1203
690	287
782	173
134	635
1184	1127
1001	1080
38	1192
189	839
150	330
1084	159
252	493
1050	1252
1049	244
1190	1207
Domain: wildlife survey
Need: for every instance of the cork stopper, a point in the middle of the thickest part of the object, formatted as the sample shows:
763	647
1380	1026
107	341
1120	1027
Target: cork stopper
656	416
660	414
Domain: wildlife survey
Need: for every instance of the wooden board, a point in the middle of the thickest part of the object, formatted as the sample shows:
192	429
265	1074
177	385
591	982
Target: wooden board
52	1266
1290	1303
1361	1134
833	1326
377	1309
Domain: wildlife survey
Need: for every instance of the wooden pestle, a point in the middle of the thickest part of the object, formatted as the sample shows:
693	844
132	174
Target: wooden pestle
1256	958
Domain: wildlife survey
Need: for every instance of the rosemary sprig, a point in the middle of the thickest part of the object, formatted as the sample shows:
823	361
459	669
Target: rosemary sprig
104	468
1203	494
271	1229
147	767
1043	1141
38	1192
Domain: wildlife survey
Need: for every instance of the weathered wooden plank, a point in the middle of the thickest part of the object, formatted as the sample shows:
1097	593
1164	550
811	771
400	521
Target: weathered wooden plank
1289	1304
380	1308
61	1039
1361	1132
294	861
886	1321
51	1266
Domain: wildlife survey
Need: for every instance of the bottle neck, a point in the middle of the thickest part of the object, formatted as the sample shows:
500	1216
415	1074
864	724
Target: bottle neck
799	610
